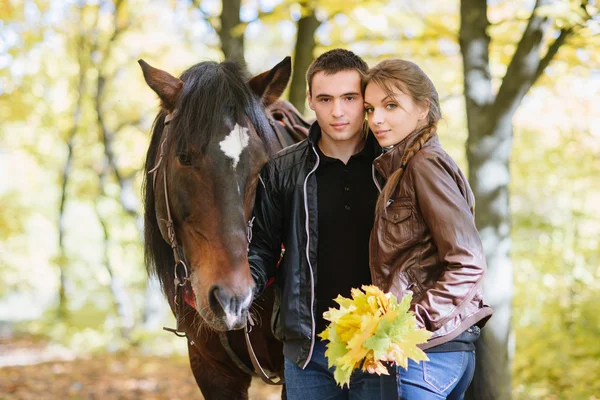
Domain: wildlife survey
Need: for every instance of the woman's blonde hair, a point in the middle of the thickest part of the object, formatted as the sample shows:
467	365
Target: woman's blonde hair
407	77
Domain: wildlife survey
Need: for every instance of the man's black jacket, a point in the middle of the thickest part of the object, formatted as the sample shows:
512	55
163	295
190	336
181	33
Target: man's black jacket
286	213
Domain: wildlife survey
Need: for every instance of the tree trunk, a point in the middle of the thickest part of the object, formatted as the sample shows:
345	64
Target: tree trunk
62	310
489	145
303	56
488	155
121	297
232	45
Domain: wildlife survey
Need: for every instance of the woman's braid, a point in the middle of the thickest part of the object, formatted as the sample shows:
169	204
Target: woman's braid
392	183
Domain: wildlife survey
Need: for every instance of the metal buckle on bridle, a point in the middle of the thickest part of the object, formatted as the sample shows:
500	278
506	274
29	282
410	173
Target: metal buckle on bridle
180	281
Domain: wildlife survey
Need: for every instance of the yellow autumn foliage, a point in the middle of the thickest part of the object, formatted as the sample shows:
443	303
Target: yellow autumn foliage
371	329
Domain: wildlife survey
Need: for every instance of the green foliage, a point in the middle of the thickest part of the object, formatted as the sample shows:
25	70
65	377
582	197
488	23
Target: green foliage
64	78
89	330
565	13
557	265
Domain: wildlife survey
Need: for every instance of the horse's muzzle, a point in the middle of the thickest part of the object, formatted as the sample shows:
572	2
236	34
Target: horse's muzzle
230	308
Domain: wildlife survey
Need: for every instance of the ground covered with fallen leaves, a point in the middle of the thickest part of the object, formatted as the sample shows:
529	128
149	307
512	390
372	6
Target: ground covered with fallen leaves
32	369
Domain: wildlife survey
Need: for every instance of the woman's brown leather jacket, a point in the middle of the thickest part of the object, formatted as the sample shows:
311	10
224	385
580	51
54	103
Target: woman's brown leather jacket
426	243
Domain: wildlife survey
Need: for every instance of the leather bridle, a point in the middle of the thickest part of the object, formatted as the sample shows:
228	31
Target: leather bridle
180	282
171	236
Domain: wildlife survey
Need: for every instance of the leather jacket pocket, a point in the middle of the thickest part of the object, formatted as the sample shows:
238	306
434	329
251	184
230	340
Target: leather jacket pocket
397	224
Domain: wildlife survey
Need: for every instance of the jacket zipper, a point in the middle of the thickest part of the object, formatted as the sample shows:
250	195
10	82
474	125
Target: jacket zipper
371	251
374	178
312	283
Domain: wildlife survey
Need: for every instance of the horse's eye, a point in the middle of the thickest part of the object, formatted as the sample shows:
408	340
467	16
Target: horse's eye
184	159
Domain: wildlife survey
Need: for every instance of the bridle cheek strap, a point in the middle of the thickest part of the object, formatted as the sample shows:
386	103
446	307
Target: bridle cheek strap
179	280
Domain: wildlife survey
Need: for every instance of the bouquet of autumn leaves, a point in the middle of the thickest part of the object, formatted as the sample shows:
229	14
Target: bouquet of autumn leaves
369	329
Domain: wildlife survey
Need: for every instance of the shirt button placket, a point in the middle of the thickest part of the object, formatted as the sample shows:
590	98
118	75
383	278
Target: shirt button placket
346	189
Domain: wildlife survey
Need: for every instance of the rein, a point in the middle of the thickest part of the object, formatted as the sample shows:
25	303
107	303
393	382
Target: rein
183	282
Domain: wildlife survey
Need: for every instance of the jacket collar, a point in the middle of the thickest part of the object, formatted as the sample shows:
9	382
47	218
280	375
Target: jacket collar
387	163
314	134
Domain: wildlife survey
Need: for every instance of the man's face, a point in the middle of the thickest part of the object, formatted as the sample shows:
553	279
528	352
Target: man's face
338	104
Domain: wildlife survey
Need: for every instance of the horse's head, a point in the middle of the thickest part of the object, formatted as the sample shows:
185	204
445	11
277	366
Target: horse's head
204	170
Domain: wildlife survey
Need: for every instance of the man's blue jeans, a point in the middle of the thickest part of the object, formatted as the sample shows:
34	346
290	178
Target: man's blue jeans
316	382
444	376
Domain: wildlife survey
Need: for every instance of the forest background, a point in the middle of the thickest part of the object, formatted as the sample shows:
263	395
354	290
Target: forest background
519	83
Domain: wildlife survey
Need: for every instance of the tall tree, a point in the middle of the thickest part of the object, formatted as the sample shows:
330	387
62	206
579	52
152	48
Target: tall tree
489	144
232	43
227	26
303	56
127	196
121	298
67	168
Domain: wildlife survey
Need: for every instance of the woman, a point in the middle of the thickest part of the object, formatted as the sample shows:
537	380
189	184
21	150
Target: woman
424	239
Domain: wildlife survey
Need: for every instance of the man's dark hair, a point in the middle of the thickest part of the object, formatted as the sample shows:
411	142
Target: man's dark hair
334	61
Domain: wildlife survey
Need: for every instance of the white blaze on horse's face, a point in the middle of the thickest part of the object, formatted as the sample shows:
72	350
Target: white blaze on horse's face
235	143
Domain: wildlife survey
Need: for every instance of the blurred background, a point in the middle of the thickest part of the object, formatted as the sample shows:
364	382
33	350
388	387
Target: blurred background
519	83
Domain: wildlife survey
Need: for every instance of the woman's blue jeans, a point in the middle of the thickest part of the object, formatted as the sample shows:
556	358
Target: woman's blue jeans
444	376
316	382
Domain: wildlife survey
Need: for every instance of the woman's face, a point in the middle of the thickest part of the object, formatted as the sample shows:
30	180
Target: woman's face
392	118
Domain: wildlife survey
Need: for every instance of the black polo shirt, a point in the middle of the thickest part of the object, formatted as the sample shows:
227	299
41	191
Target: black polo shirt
346	197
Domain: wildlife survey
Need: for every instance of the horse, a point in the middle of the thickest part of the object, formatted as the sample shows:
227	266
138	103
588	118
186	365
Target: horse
208	144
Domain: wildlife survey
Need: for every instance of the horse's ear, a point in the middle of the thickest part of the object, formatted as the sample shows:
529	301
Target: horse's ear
270	84
166	86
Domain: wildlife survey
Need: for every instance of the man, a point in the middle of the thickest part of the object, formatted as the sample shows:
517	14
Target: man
317	198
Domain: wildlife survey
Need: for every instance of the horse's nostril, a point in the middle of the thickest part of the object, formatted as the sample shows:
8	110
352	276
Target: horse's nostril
214	301
221	301
226	305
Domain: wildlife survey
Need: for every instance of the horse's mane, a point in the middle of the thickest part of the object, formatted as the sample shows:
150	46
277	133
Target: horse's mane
210	91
